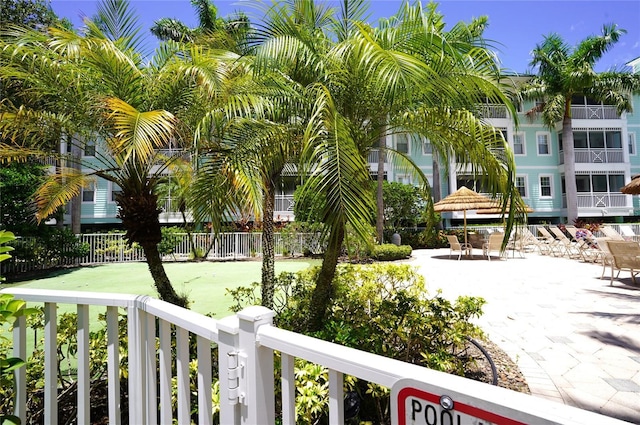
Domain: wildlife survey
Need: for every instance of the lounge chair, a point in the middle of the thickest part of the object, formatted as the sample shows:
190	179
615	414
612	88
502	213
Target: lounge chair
588	247
456	246
627	233
605	256
524	238
493	244
625	256
611	233
553	245
565	245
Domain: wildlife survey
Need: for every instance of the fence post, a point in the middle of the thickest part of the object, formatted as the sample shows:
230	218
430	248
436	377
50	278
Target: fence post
229	370
257	381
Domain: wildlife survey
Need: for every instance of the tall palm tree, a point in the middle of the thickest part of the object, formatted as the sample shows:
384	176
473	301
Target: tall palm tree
564	71
227	33
131	111
365	83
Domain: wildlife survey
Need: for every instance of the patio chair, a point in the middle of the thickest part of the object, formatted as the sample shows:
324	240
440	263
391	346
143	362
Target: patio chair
627	233
565	245
493	244
553	245
456	246
625	256
587	246
527	239
605	256
611	233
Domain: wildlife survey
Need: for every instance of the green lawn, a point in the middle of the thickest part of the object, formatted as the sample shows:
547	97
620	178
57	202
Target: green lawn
205	283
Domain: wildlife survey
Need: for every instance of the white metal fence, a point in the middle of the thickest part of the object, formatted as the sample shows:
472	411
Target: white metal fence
113	247
245	345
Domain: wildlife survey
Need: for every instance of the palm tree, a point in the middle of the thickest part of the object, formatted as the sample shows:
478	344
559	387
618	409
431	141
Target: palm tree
111	98
365	83
563	72
229	33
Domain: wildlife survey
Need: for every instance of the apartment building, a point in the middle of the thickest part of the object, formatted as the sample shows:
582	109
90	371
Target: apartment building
606	157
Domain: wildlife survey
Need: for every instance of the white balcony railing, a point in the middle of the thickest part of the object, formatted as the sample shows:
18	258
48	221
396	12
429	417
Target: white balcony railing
245	345
594	112
596	156
602	200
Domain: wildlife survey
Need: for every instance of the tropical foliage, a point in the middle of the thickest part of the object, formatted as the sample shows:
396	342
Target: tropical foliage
565	71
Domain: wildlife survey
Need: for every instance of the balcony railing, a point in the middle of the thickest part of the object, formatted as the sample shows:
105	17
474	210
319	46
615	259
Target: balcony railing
245	346
602	200
493	111
596	156
594	112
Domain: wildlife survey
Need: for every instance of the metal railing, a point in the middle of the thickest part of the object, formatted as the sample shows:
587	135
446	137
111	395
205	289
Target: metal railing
245	345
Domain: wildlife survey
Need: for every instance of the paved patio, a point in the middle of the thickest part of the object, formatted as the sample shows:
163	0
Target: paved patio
575	338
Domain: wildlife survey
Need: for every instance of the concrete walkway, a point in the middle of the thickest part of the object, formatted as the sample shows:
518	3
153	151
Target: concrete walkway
575	338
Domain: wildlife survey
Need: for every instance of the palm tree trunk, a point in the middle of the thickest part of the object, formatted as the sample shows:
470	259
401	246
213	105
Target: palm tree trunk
323	292
160	278
571	190
268	252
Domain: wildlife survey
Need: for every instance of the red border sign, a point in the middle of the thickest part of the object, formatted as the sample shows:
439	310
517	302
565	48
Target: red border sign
459	407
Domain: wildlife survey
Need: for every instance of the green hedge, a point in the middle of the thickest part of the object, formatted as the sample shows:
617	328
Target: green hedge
390	252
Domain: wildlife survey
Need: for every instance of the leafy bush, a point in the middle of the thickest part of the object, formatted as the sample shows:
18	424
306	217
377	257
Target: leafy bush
170	239
390	252
380	308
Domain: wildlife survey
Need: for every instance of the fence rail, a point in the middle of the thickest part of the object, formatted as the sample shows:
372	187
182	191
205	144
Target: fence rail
112	247
245	345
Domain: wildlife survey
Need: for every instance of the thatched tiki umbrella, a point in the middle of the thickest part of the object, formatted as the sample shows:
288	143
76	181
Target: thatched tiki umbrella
633	187
464	199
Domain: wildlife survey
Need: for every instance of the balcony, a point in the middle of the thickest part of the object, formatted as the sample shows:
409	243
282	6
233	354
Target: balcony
155	356
602	200
594	112
596	156
493	111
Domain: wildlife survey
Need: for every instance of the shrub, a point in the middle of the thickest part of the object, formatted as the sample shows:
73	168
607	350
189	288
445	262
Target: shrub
390	252
380	308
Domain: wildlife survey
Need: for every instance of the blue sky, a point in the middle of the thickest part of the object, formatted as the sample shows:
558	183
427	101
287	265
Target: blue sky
514	25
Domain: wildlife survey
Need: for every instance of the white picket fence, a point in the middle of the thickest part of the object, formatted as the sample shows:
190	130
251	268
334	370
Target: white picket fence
245	345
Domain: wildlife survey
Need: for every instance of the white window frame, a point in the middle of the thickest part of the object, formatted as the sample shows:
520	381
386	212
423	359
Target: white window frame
406	137
548	136
520	134
550	177
426	152
631	145
113	188
91	188
526	184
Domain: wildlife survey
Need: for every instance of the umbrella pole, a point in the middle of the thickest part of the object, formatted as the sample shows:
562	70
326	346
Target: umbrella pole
465	226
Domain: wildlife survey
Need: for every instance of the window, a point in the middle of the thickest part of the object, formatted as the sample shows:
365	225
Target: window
402	143
403	178
90	149
89	193
115	190
545	187
614	139
543	143
521	185
518	144
427	149
632	143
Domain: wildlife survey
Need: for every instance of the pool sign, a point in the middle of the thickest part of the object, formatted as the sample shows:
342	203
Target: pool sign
414	404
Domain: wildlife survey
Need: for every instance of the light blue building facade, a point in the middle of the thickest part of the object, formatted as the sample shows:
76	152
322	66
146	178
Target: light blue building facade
606	157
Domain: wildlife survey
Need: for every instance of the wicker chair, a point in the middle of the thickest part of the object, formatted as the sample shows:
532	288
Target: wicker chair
625	256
